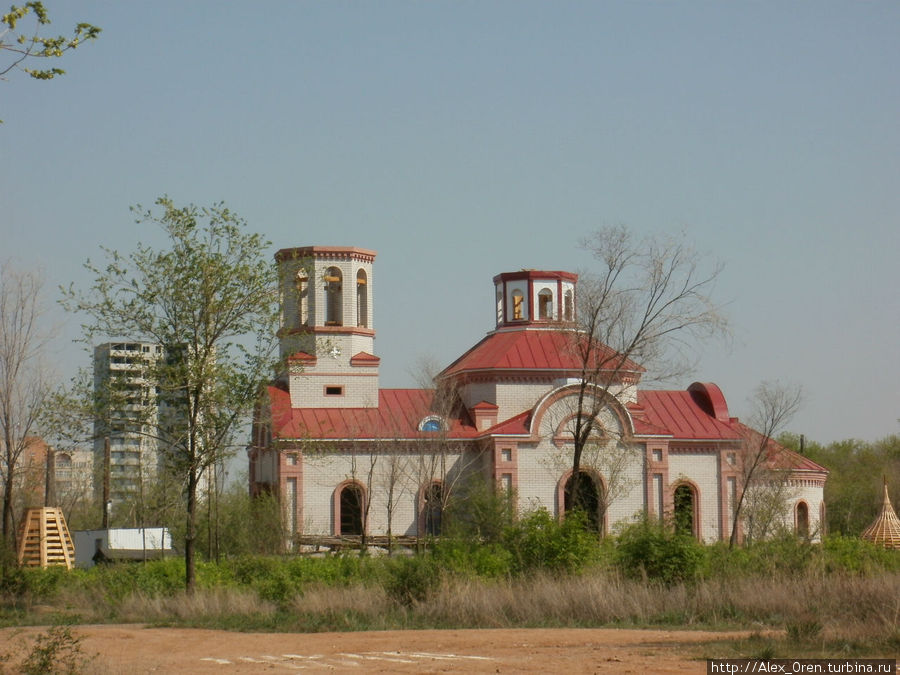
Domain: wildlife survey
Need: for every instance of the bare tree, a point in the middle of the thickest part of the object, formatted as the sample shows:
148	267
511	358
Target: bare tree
767	503
774	404
440	465
394	488
23	380
649	303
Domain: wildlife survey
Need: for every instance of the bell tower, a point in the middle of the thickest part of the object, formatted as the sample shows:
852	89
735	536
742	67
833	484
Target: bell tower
327	336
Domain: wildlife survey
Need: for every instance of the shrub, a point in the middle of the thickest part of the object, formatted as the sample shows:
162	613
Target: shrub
851	554
479	512
470	559
541	542
56	651
414	579
652	550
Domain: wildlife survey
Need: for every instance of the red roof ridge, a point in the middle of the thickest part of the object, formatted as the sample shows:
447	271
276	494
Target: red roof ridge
364	359
515	425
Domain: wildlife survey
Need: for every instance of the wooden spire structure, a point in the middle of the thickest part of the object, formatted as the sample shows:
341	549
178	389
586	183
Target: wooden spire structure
45	540
885	530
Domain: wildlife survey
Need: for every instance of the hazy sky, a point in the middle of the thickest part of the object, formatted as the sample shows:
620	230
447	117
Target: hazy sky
464	139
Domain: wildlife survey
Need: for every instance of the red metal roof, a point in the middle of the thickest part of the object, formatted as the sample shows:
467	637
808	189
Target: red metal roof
679	413
397	416
514	426
530	349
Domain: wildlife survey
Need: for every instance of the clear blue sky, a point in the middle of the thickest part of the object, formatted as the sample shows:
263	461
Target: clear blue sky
464	139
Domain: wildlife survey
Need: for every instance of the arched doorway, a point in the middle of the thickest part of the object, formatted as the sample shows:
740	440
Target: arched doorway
684	511
351	510
585	494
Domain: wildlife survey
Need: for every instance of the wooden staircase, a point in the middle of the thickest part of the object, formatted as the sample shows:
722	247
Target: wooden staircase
44	539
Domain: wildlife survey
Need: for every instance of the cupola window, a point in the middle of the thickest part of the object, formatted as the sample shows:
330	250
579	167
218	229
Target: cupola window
569	310
362	304
518	305
545	305
333	297
302	283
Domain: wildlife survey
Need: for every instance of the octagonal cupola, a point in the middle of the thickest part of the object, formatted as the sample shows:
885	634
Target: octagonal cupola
534	298
327	335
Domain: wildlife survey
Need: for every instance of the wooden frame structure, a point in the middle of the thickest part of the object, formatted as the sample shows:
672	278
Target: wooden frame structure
44	539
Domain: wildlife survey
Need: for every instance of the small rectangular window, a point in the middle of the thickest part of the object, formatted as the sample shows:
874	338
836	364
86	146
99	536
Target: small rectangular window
334	391
506	455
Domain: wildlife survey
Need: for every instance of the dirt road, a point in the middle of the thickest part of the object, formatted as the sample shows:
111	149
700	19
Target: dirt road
136	649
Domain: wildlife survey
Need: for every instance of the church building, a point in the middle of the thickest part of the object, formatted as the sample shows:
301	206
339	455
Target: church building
348	458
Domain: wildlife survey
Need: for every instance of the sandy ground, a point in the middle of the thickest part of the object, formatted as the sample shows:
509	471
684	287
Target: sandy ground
137	649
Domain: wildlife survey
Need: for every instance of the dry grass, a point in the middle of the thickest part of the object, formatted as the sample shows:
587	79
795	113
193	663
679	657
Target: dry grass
830	608
365	600
813	608
206	605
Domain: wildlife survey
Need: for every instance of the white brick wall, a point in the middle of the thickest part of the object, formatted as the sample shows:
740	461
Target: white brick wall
308	391
324	473
540	469
703	471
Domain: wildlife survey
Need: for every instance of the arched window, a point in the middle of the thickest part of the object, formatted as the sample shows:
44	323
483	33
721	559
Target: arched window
569	307
685	510
433	510
545	304
350	505
301	281
518	304
362	300
802	519
334	302
586	495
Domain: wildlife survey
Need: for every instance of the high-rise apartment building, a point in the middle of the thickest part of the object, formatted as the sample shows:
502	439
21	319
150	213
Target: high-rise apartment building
126	392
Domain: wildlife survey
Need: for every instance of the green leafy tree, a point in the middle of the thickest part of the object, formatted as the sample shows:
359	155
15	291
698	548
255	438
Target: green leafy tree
21	41
20	38
209	300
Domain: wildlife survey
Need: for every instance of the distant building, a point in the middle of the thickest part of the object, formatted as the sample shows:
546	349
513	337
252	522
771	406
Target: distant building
74	470
123	379
29	480
47	477
348	458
